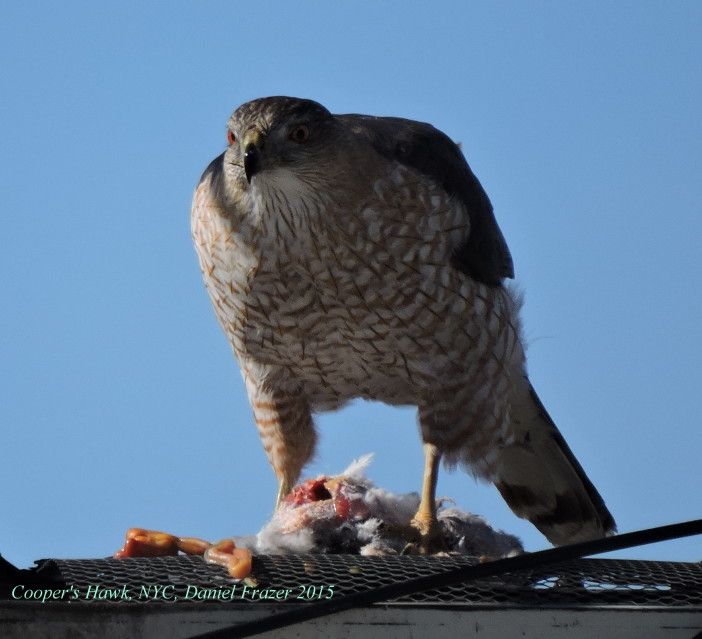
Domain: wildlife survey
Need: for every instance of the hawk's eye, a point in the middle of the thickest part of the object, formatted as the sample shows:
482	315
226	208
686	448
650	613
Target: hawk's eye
300	134
231	138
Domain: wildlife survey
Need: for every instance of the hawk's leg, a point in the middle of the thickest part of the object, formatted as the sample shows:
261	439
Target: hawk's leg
284	422
425	521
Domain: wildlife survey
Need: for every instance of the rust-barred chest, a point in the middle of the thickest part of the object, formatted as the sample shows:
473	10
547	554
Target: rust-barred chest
365	303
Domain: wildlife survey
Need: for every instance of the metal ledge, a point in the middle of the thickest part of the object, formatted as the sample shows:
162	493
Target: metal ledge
182	596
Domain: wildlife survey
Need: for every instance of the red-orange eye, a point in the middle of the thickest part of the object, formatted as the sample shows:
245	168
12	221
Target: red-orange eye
300	134
231	138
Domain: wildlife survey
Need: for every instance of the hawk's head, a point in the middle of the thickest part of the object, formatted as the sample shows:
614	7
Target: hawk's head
283	155
279	145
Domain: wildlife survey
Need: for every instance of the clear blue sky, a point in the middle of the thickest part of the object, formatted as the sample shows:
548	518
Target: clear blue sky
120	402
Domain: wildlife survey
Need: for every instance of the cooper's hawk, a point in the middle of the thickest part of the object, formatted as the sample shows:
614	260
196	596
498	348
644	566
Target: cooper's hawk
355	256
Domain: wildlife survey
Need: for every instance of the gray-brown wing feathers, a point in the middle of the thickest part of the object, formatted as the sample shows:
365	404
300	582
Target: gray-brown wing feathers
214	169
484	256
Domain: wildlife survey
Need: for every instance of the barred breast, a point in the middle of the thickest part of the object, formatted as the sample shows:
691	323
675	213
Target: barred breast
357	303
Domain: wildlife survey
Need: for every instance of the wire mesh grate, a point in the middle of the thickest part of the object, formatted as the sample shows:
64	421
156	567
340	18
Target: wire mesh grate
583	582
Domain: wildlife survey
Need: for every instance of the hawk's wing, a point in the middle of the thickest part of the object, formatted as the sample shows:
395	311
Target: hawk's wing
213	173
484	256
209	244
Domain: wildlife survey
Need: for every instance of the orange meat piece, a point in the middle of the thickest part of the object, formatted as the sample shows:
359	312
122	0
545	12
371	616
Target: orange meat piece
154	543
237	561
148	543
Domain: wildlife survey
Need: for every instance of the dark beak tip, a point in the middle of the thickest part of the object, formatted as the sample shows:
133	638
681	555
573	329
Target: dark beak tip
251	163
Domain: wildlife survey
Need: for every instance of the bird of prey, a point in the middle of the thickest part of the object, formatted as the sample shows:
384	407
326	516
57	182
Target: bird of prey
352	256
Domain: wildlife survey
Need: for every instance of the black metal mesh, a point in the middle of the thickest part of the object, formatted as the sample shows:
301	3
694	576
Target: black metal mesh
575	583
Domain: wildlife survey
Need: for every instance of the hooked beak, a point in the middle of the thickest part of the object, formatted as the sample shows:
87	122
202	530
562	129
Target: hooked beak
253	141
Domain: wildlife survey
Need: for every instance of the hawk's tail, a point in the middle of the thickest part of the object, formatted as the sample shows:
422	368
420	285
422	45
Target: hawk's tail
542	481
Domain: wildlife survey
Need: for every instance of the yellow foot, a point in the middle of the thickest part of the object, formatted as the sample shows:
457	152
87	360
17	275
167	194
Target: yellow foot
429	538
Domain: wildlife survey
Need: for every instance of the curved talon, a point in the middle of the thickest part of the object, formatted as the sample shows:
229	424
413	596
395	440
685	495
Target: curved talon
431	539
